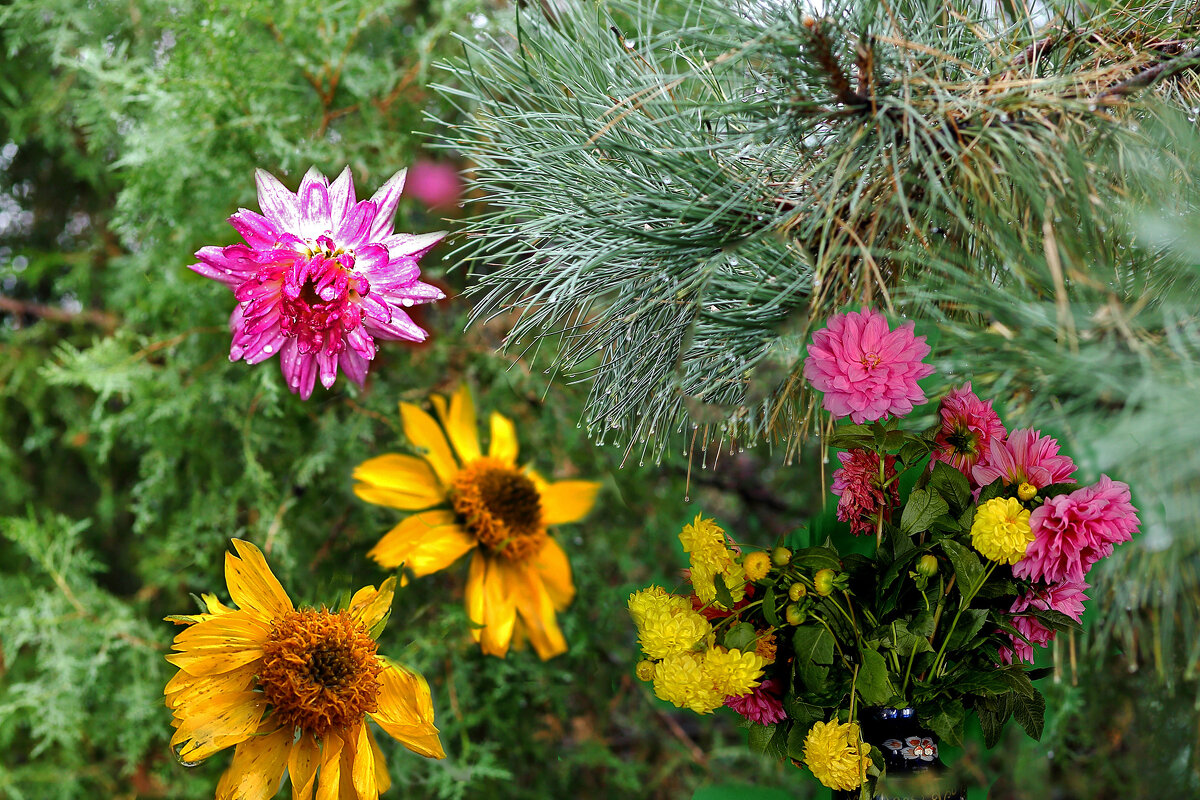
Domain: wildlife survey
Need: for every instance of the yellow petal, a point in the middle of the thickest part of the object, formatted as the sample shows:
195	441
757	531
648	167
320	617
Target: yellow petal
567	501
363	768
423	432
302	767
368	606
426	542
490	603
220	644
504	439
251	584
396	481
257	767
555	571
185	692
225	721
382	779
406	710
537	613
331	751
459	420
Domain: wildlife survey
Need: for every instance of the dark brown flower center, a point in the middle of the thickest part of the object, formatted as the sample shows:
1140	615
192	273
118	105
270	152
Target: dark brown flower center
319	671
963	440
501	507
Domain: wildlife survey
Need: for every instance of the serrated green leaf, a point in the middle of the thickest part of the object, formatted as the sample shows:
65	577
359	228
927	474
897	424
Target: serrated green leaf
740	636
951	484
922	508
968	569
760	736
874	685
813	646
1030	712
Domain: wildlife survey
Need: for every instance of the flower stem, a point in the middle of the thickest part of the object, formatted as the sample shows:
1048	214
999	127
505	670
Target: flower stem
938	660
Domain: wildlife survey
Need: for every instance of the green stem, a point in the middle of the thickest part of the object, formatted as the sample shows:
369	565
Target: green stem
938	662
907	672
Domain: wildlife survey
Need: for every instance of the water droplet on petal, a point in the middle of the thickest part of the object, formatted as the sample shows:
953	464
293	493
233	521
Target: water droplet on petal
406	302
268	349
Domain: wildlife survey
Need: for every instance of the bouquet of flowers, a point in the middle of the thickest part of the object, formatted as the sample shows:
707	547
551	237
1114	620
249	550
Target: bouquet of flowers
982	560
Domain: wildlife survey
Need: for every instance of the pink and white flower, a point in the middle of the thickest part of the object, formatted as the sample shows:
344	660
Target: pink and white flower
968	428
865	370
1066	597
1024	457
320	278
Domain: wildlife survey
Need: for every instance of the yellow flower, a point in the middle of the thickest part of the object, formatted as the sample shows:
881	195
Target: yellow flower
836	755
645	670
733	672
291	689
669	630
654	601
705	543
756	565
680	679
519	576
1001	530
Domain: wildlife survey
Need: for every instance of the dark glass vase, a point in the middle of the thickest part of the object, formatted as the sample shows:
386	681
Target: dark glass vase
910	753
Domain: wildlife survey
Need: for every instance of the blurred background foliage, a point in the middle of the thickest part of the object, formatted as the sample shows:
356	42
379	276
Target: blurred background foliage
131	450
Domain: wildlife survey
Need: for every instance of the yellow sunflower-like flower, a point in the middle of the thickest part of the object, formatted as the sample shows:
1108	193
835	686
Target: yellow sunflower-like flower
1001	530
292	689
705	543
835	753
519	577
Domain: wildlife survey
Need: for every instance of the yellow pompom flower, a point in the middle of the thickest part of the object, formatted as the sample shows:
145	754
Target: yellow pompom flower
835	753
645	670
1001	530
704	541
756	565
672	631
733	672
655	601
292	689
681	680
490	506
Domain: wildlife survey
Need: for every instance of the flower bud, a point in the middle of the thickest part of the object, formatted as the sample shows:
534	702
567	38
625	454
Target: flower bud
756	565
794	614
796	591
781	556
1026	491
823	582
645	670
928	566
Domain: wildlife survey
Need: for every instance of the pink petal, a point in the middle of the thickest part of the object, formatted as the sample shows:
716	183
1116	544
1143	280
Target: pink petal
277	203
341	198
256	229
401	327
353	366
314	204
412	245
386	199
356	225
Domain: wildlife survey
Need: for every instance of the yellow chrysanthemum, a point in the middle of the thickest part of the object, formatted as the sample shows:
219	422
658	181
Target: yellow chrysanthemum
705	543
836	755
1001	530
733	672
669	630
681	680
654	601
756	565
292	689
519	577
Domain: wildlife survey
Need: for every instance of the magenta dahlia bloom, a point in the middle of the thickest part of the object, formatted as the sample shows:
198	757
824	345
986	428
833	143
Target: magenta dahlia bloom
865	370
1024	457
1067	598
968	428
860	492
1072	532
761	705
320	278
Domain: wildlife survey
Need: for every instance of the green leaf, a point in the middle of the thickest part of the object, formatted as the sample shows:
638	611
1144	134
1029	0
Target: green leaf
905	642
913	451
760	736
1054	620
947	722
874	685
802	716
813	646
968	626
951	484
741	636
993	713
816	558
968	569
851	437
991	491
723	595
922	508
1030	713
768	607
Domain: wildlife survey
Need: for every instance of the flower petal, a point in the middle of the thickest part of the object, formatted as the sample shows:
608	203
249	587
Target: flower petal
459	421
299	369
251	584
313	200
362	769
537	612
227	720
221	643
257	767
341	198
277	203
369	606
504	439
490	603
567	501
331	751
425	542
382	779
423	432
555	571
399	328
386	199
406	710
411	245
302	767
396	481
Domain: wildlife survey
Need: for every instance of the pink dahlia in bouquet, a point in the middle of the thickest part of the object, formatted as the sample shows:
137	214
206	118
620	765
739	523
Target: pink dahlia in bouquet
320	278
975	567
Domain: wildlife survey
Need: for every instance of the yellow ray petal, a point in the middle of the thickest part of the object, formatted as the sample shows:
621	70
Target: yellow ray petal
257	767
362	768
251	584
382	779
327	783
225	721
423	541
423	432
220	644
406	710
490	603
459	420
504	439
567	501
555	571
537	612
302	767
185	691
398	481
369	606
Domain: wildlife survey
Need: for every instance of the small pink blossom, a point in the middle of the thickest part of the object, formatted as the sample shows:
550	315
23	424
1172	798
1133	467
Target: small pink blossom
1067	598
865	370
434	183
761	705
320	278
1024	457
968	428
861	493
1072	532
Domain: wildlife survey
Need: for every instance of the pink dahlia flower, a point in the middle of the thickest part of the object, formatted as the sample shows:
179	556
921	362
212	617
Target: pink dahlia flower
1067	598
1072	532
865	370
861	494
1024	457
968	428
320	278
761	705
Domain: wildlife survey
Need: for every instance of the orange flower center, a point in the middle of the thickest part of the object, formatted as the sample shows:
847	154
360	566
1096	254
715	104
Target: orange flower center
501	507
320	671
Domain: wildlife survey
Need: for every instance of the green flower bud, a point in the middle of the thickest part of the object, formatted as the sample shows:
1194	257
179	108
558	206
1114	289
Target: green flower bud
794	614
823	582
781	556
927	566
796	591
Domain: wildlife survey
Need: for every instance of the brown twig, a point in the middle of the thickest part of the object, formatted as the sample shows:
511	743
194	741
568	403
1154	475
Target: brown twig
104	319
822	52
1036	50
1151	75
